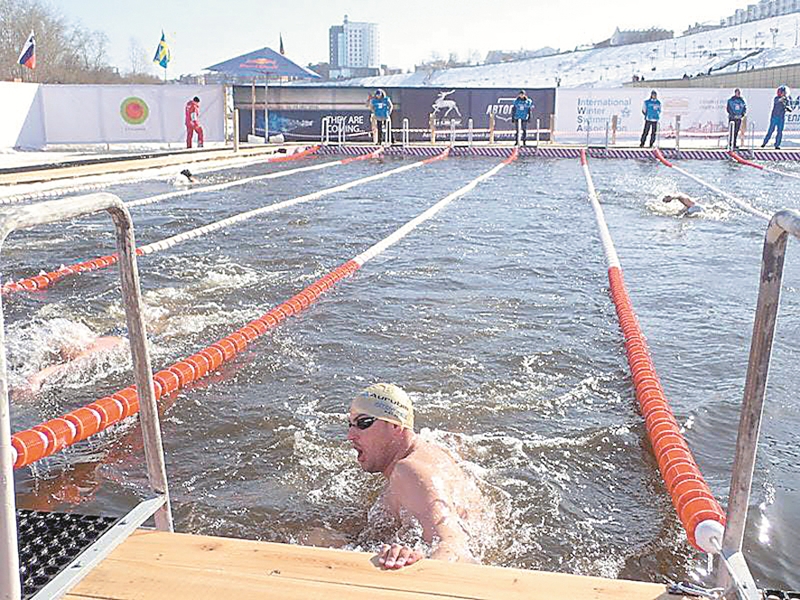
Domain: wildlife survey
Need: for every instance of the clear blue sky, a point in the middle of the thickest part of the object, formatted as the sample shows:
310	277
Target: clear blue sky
204	32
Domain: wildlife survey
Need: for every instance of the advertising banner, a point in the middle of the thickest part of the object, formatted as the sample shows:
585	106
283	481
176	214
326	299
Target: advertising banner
91	114
306	125
582	114
449	107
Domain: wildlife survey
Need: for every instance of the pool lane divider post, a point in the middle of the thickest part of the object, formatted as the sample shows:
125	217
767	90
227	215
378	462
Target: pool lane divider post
749	163
697	508
45	280
31	445
737	201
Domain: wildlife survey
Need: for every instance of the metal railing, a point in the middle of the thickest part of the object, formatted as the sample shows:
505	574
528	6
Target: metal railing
23	217
735	576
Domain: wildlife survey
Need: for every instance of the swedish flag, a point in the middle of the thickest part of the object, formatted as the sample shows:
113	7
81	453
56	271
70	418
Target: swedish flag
162	56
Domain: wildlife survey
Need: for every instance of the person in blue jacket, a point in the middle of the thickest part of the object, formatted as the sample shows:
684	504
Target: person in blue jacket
381	106
736	108
651	109
780	106
520	115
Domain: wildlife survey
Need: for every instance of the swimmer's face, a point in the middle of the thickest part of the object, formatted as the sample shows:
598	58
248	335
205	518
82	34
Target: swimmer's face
372	444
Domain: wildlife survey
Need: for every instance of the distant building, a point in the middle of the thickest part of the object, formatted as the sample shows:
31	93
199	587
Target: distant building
654	34
701	27
354	50
763	10
623	38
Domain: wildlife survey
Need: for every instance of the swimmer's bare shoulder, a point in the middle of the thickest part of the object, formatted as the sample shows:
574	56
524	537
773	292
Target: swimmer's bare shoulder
421	484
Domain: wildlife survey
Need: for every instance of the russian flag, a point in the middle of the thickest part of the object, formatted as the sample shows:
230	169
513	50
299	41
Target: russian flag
28	55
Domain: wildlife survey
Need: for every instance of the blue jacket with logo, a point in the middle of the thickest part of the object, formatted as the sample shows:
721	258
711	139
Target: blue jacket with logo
780	106
736	107
381	107
523	107
651	109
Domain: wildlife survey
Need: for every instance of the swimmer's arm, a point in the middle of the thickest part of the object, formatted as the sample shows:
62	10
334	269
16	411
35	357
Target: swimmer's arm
436	515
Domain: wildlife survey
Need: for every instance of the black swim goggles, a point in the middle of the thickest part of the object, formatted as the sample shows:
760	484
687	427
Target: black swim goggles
362	423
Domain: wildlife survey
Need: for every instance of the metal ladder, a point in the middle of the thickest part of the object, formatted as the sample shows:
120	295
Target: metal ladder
735	577
158	505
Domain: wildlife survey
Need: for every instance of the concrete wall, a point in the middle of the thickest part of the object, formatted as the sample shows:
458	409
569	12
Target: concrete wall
771	77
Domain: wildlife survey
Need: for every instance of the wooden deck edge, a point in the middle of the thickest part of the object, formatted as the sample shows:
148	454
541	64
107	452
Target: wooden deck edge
154	565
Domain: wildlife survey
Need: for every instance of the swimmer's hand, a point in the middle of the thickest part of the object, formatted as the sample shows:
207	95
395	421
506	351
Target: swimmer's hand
397	556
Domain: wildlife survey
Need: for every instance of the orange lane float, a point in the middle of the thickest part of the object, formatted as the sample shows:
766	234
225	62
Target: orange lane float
698	510
35	443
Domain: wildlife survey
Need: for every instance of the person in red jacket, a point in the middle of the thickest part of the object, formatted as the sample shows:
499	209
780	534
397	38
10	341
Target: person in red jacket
193	122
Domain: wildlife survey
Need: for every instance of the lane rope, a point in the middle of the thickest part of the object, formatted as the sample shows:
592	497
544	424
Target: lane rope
62	186
237	182
697	508
737	201
45	280
31	445
749	163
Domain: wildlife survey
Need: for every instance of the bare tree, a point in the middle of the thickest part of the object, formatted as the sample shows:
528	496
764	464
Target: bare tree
137	57
65	53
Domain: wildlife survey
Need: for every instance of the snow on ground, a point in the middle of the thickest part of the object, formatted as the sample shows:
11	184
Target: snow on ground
612	67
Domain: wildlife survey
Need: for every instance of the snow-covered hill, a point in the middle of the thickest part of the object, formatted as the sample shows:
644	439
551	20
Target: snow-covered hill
723	50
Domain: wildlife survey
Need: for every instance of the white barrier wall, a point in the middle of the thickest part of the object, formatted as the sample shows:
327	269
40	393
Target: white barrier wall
35	115
21	124
75	114
583	113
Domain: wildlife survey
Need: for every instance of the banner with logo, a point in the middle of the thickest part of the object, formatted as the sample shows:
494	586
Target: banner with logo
91	114
584	114
448	106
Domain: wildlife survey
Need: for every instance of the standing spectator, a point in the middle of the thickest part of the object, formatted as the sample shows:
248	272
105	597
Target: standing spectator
651	109
381	106
780	104
193	122
520	115
736	111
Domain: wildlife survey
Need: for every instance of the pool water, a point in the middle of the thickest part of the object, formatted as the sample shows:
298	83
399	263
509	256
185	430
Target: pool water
494	316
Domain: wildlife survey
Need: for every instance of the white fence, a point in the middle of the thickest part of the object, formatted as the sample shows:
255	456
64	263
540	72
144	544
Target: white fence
37	115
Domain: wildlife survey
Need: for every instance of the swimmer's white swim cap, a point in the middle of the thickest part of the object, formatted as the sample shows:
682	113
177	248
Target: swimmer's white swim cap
387	402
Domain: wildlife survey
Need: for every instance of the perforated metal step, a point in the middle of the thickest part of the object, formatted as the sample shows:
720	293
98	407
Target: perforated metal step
49	541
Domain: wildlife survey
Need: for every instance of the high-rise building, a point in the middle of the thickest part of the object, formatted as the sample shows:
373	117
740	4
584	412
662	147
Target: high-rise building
354	49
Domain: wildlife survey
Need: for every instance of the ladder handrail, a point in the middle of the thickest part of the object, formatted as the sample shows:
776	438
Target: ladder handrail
43	213
781	225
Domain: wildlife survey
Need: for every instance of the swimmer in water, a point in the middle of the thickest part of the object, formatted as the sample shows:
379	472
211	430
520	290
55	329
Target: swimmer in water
189	177
423	481
70	346
72	357
691	209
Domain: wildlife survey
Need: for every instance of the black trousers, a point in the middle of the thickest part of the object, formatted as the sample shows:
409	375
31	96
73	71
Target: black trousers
524	131
737	125
652	127
381	124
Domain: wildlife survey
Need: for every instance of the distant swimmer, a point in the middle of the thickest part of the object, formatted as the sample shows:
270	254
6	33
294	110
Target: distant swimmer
188	175
424	483
691	209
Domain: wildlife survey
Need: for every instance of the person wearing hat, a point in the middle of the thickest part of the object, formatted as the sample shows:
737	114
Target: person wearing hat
192	120
651	109
780	106
521	112
381	107
423	481
736	108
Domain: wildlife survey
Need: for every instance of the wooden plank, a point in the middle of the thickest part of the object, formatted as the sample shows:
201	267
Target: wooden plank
231	563
118	582
122	166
